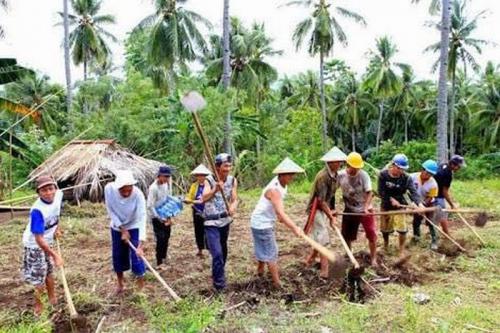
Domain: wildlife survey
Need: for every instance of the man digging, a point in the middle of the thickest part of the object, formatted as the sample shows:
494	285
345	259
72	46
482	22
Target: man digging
324	187
218	217
126	208
357	194
38	238
427	188
270	208
393	183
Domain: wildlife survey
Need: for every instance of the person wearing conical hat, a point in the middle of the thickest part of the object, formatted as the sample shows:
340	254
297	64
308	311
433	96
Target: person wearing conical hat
195	197
323	197
357	194
270	208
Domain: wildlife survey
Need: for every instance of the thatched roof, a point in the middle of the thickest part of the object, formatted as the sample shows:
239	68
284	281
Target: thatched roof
95	162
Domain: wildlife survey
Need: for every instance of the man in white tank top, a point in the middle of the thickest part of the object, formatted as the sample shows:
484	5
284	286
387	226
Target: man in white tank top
270	208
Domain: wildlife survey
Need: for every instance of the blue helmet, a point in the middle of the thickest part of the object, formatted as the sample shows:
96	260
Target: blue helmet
430	166
401	161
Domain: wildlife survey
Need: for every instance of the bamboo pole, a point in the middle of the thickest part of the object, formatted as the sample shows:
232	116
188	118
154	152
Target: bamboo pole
67	294
471	228
346	247
444	233
155	273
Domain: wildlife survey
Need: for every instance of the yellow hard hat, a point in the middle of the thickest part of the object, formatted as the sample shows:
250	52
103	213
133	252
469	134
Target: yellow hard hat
355	160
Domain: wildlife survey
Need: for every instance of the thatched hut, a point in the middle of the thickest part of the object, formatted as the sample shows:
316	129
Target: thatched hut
89	165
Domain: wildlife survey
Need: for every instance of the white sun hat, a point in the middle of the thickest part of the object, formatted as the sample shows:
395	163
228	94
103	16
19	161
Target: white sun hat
201	170
124	178
333	155
287	166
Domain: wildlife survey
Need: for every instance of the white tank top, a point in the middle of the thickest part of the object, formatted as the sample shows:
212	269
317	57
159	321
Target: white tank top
50	213
264	215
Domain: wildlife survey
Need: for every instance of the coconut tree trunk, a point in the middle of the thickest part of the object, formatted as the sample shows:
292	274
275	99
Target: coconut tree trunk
85	67
322	98
442	112
406	127
451	108
353	138
67	67
226	71
379	124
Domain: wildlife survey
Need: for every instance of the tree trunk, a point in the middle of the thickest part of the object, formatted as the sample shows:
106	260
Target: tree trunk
406	127
322	99
451	108
85	106
67	67
226	72
442	112
379	124
353	138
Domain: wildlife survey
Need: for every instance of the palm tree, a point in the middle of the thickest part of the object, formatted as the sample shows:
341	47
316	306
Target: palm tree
304	90
442	100
381	77
405	100
174	37
67	65
3	4
461	49
226	72
88	38
323	30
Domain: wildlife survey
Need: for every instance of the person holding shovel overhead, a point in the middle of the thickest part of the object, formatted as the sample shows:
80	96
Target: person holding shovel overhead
126	208
323	192
444	177
393	183
38	237
427	188
218	216
159	190
357	193
195	197
269	209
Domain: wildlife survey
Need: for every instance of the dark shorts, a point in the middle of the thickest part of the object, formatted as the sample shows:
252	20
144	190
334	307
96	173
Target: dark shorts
37	265
350	225
123	256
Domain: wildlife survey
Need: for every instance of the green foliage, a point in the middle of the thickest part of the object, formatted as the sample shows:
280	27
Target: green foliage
483	166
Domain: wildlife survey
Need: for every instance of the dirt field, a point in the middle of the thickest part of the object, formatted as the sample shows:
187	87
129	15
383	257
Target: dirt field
304	297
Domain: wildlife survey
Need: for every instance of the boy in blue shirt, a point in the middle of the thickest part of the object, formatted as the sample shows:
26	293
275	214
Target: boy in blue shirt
38	237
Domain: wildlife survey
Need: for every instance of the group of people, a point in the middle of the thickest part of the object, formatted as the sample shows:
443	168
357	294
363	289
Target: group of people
214	201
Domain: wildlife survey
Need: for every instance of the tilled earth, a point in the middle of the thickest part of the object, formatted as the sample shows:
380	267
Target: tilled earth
87	255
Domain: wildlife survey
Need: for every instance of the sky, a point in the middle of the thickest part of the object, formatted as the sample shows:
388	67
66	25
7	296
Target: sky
34	39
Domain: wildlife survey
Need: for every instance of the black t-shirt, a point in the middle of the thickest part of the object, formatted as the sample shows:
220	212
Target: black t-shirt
443	177
396	187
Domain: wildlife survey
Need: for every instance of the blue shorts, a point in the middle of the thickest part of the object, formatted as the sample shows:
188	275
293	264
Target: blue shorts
440	215
123	256
264	244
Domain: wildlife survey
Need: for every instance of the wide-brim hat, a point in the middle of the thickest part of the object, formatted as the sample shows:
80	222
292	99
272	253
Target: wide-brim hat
201	170
43	181
334	155
124	178
287	166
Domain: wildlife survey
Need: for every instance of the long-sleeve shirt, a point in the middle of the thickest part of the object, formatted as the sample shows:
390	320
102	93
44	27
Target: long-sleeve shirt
396	188
156	194
128	213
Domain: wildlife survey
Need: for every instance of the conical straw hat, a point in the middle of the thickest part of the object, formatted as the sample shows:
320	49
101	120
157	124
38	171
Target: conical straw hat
333	155
201	170
287	166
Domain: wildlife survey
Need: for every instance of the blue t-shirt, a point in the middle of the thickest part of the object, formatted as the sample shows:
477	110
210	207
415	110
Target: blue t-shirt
37	223
199	207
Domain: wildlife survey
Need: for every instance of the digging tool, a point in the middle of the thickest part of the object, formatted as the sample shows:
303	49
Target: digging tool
69	300
444	234
392	212
155	273
320	248
471	228
481	219
310	219
194	102
346	248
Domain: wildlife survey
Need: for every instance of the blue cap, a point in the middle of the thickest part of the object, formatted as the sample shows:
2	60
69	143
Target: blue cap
430	166
401	161
164	171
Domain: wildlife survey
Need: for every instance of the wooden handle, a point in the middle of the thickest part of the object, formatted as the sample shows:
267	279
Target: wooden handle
208	154
393	212
320	248
346	247
444	233
155	273
471	228
67	294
